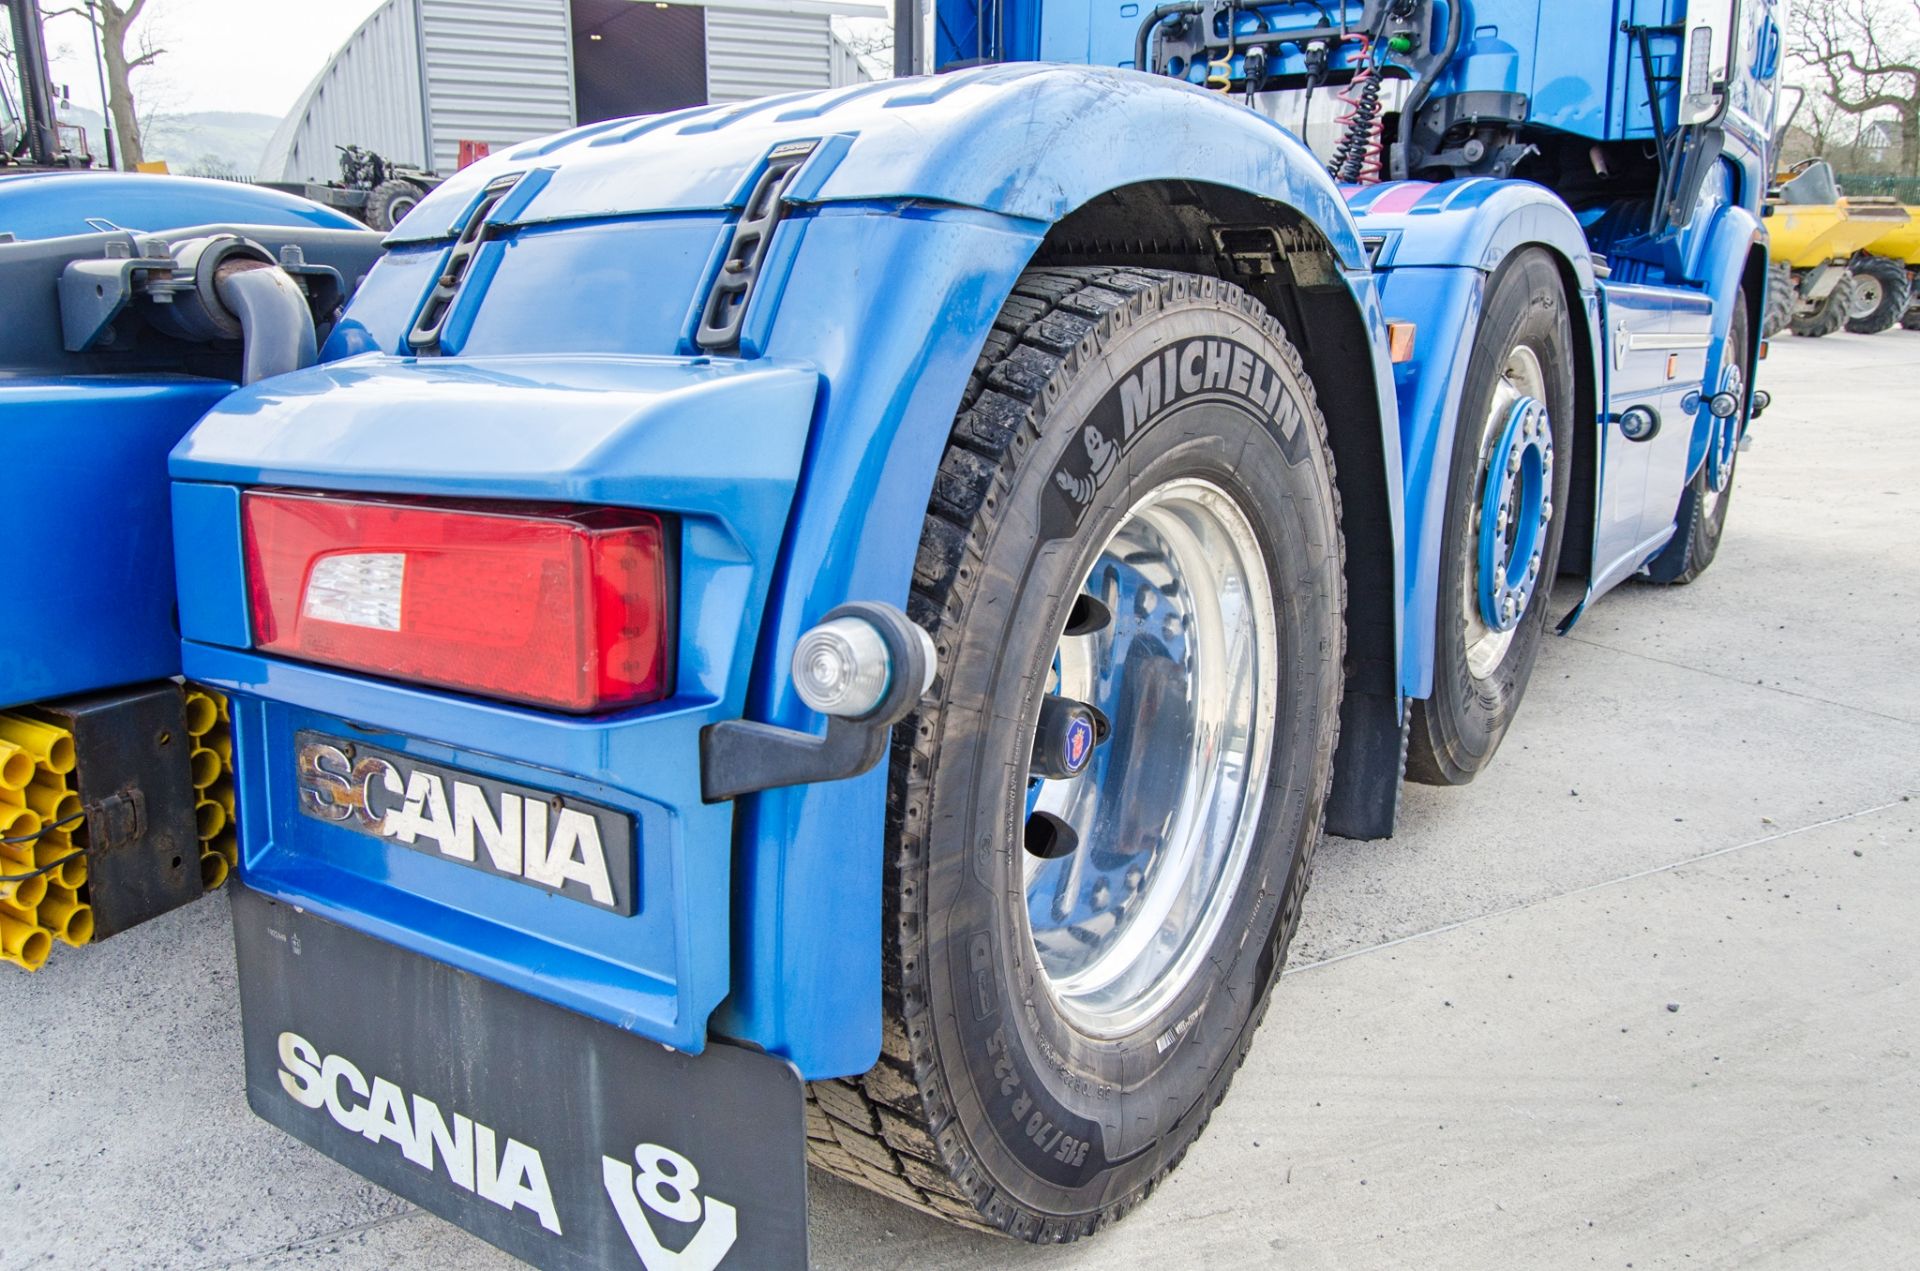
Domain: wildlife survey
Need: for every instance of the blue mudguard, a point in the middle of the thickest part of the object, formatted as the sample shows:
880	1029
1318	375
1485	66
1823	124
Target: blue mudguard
1438	247
906	229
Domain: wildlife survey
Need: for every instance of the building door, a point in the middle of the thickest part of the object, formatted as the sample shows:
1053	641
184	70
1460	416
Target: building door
637	57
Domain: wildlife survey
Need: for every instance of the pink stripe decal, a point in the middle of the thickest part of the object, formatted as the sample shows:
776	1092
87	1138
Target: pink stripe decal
1399	199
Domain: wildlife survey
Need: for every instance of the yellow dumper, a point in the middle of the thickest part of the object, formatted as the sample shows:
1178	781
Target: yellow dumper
1815	236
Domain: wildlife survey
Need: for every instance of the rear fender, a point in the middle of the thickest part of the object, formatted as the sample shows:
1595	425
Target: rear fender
1439	247
905	231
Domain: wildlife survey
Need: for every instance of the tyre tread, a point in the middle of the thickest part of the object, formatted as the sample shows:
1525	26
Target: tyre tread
893	1129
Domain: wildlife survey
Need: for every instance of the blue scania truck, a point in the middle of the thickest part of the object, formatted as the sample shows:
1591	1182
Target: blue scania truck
829	628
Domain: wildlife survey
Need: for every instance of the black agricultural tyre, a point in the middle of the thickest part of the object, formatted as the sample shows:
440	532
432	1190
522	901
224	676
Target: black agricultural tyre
1783	300
389	202
1881	291
1702	515
1831	314
1455	732
990	1104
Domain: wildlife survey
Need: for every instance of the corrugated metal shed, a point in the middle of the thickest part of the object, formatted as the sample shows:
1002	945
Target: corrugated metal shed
496	71
754	52
367	96
420	76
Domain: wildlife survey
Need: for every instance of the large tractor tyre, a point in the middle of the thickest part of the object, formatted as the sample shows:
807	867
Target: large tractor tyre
389	202
1702	515
1102	816
1783	300
1504	519
1832	313
1880	293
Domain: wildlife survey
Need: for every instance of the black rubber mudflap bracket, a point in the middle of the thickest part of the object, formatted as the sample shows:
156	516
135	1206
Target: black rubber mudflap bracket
726	308
1370	767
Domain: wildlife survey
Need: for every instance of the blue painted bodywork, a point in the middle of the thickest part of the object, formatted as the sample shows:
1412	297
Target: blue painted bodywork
913	186
568	371
86	471
54	204
87	524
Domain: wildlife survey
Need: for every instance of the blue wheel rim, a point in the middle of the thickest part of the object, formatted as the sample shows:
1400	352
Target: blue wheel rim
1516	508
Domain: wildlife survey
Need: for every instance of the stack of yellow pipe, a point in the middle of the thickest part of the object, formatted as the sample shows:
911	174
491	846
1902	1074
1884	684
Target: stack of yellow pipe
43	868
211	766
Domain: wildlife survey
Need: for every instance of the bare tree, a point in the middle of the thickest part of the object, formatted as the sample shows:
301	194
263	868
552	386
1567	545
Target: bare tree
1866	57
870	40
115	20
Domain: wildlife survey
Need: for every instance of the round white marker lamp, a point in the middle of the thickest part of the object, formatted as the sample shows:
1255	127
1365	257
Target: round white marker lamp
842	667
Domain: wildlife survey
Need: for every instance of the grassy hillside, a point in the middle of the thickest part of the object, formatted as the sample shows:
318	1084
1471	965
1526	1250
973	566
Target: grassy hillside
197	143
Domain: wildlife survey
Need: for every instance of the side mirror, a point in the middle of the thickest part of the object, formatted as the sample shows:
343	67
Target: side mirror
1706	59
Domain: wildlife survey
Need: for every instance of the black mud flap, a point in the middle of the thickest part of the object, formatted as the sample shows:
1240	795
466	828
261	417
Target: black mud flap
565	1141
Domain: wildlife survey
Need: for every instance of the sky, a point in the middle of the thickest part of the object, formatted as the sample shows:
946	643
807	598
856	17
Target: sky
248	55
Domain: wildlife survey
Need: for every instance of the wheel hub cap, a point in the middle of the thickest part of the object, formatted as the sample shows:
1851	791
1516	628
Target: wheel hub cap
1136	843
1866	295
1515	510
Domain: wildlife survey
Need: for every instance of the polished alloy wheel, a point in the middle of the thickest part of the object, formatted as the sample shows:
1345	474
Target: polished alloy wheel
1157	826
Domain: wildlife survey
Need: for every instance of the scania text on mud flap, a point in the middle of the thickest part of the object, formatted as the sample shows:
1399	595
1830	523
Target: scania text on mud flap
528	1124
1073	500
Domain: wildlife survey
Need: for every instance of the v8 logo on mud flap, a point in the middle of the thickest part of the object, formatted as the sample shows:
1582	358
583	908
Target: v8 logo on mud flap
1180	375
667	1183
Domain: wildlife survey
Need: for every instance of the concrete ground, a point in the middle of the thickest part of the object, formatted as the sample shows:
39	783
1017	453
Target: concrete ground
1644	996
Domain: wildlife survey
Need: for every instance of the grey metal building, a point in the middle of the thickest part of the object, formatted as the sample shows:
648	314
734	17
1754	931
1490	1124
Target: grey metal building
421	76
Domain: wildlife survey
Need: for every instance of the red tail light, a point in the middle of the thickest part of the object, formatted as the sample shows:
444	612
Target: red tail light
562	608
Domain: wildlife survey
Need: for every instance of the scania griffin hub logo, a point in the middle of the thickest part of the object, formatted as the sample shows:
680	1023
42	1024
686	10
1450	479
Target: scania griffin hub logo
577	849
1079	743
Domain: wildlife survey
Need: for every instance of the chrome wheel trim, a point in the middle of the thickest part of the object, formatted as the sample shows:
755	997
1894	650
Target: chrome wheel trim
1520	378
1166	813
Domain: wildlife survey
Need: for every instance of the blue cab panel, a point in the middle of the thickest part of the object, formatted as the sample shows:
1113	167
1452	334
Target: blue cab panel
91	601
716	445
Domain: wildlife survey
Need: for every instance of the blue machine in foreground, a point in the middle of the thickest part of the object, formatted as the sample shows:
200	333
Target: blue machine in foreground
1146	495
132	304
